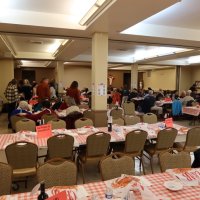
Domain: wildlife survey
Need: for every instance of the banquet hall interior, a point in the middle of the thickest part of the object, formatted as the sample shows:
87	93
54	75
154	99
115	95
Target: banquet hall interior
100	90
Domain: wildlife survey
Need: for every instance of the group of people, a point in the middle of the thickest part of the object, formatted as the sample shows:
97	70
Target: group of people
19	94
150	97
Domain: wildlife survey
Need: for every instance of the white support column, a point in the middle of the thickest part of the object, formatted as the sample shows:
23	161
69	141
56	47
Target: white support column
99	71
6	74
134	76
60	76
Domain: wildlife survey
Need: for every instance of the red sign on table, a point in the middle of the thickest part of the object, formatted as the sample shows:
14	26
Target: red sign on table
59	196
168	99
44	131
169	122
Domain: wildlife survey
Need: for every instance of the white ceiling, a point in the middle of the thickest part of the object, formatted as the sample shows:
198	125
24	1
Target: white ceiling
47	22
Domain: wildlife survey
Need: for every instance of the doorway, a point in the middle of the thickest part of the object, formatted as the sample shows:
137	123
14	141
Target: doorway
127	80
28	74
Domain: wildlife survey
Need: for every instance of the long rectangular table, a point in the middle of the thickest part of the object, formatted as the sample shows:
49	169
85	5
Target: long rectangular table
157	188
117	135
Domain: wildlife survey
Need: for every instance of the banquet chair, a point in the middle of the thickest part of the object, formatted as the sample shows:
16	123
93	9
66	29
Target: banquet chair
57	124
131	120
129	108
116	164
164	143
97	146
118	121
5	179
14	119
22	157
192	141
25	125
150	118
88	114
48	117
116	113
60	145
134	145
57	172
171	161
79	123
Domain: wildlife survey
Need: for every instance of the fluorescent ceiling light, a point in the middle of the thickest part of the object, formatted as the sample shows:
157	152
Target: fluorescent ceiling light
193	60
52	48
155	52
95	11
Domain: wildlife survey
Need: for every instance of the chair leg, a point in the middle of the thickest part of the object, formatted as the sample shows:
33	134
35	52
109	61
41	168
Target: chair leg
142	163
151	163
83	172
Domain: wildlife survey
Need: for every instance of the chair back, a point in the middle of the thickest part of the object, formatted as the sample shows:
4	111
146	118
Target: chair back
171	161
135	141
57	123
14	119
118	121
5	179
150	118
131	120
60	145
22	155
166	138
79	123
193	139
48	117
88	114
129	108
25	125
57	172
116	113
97	144
115	165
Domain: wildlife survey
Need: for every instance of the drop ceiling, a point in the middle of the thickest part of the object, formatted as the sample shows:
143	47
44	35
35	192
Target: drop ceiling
34	26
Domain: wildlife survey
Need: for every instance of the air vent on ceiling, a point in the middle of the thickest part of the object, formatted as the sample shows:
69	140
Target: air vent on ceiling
36	42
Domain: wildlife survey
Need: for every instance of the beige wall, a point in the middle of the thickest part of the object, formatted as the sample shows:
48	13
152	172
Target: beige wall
119	77
186	78
82	74
160	78
6	74
39	73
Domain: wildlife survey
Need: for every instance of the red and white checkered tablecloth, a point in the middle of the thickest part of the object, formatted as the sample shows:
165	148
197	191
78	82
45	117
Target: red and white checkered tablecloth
194	111
157	188
152	130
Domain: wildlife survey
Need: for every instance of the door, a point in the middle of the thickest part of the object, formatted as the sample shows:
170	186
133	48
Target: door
127	80
28	74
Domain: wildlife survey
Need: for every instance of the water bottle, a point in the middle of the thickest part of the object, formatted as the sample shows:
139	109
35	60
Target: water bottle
110	124
109	193
42	194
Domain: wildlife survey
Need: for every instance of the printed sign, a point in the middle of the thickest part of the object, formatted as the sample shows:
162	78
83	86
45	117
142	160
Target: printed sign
44	131
169	122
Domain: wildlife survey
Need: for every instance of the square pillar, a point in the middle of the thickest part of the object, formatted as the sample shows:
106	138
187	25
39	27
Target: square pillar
99	77
134	76
60	76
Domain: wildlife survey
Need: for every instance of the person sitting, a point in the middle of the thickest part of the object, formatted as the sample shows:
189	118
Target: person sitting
46	109
133	94
149	101
23	108
116	97
160	95
187	98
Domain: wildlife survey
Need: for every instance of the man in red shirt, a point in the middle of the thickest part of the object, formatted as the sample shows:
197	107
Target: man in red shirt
43	90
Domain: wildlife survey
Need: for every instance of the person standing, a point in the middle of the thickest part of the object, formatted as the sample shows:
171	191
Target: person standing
26	89
74	92
12	96
43	90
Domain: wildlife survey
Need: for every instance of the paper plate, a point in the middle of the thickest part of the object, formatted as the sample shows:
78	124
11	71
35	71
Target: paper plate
173	185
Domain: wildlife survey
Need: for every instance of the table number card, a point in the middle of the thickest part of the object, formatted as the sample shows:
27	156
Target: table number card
44	131
169	123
